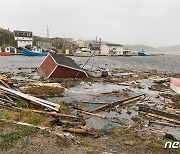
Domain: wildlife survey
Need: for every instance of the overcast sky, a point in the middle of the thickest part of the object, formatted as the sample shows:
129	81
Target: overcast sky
148	22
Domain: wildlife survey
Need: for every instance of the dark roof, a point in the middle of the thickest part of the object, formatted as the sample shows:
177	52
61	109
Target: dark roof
66	61
22	31
112	44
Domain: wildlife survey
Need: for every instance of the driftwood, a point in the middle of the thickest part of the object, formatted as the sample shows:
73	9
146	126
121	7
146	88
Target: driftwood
161	117
157	112
171	110
92	114
121	102
164	123
7	101
75	130
51	113
42	102
5	84
48	129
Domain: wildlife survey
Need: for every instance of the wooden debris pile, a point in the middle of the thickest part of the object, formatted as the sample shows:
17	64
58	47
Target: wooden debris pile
17	101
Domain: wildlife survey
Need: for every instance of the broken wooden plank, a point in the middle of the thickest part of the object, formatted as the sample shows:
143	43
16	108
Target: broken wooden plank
158	112
34	99
172	110
92	114
5	84
51	113
163	123
120	102
75	130
48	129
161	117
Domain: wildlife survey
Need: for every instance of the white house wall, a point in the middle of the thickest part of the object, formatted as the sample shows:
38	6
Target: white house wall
104	50
24	43
120	50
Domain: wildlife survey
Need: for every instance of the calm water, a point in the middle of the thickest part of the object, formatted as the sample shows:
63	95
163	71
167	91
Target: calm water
166	63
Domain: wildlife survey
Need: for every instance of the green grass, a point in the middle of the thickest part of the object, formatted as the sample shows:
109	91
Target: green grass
44	91
155	142
26	117
64	108
11	138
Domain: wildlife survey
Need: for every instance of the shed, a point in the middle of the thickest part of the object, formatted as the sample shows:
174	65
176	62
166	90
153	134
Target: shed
110	48
59	66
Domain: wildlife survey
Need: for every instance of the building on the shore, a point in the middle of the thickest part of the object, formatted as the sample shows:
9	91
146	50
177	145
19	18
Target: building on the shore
127	52
82	44
111	48
44	45
8	49
11	49
23	38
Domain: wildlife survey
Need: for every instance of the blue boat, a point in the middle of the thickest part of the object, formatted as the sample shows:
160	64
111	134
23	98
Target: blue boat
142	53
27	52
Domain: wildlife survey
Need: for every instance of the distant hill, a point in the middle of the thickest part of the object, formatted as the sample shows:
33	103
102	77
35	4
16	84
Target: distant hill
173	48
140	47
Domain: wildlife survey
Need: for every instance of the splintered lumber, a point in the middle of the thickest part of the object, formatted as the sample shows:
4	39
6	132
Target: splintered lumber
52	113
120	102
75	130
92	114
5	84
48	129
42	102
171	110
164	123
161	117
157	112
8	101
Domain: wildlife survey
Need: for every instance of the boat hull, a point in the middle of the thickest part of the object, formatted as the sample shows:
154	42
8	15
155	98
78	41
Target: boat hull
175	84
26	52
142	54
5	53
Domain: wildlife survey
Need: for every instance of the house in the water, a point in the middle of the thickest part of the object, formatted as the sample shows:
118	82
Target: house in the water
58	66
110	48
23	38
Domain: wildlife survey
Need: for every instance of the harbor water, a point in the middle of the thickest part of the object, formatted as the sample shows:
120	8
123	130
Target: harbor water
164	63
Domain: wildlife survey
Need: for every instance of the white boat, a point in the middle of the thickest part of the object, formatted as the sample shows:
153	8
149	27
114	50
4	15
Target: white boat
175	84
84	52
95	72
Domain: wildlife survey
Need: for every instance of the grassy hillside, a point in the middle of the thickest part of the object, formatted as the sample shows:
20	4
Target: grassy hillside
7	38
140	47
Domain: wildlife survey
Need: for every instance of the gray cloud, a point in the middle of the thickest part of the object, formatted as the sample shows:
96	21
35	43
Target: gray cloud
150	22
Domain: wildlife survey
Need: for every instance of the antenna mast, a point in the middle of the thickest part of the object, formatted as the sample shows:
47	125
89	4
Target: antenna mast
47	32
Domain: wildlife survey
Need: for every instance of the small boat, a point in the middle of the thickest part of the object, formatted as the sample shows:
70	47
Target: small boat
142	53
84	52
95	72
175	84
5	53
27	52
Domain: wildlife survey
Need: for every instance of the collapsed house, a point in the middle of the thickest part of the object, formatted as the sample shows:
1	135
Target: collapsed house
58	66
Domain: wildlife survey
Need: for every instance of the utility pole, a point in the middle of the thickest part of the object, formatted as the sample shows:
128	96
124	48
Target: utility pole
47	32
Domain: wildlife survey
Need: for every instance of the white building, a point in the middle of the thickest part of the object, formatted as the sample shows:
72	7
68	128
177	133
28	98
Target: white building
23	38
10	49
110	48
